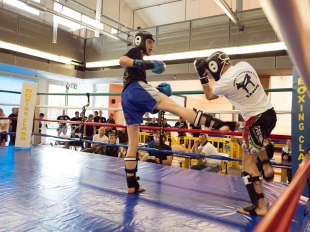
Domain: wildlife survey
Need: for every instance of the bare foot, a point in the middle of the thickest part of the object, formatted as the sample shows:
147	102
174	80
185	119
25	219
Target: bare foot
132	190
260	212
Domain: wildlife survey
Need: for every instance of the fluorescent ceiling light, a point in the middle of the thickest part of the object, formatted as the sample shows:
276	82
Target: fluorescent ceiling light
33	52
278	46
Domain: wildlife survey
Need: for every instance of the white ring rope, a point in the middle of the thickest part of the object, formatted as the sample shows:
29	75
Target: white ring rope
120	109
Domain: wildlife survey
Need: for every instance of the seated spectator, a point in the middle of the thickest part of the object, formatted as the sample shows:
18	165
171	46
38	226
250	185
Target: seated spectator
287	157
202	146
155	157
109	130
112	150
95	148
4	126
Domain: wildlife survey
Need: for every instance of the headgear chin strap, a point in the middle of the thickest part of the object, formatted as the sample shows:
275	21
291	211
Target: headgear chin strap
140	40
215	64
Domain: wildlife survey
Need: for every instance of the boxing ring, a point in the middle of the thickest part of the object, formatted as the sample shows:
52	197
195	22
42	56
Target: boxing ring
52	189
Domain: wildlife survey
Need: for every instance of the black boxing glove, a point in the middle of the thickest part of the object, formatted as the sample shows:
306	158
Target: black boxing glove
200	67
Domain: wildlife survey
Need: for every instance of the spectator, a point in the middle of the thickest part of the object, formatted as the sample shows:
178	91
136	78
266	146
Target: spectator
122	136
41	116
100	137
203	146
99	119
110	129
88	129
195	134
112	150
153	122
158	157
13	125
111	119
75	127
287	157
4	126
181	124
62	128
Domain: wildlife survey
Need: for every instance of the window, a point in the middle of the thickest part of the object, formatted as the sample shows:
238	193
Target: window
23	6
90	21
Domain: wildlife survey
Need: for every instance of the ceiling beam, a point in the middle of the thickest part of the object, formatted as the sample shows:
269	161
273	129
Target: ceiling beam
225	7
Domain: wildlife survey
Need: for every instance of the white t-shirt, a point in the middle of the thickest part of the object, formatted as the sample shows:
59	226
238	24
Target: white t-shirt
2	122
103	139
242	88
209	149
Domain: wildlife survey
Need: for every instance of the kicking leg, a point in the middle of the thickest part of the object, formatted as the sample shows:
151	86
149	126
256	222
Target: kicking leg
197	118
253	182
131	163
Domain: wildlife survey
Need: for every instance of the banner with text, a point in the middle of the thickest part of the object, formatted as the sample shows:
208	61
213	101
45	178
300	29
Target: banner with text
26	113
300	123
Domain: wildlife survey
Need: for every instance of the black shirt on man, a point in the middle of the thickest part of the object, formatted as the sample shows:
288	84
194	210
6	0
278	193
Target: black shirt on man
99	119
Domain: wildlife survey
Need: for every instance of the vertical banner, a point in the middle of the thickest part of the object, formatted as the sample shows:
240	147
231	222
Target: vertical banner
25	116
300	124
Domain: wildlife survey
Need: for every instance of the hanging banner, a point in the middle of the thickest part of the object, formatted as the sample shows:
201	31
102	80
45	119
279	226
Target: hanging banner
26	113
300	124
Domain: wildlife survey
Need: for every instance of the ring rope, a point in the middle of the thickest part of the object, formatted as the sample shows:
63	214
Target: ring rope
119	94
180	153
209	132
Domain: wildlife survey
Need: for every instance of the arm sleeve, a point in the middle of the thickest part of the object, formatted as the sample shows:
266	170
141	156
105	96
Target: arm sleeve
209	149
134	53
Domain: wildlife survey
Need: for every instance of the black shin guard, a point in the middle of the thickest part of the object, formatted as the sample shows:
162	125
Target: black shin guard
132	181
231	125
249	184
209	118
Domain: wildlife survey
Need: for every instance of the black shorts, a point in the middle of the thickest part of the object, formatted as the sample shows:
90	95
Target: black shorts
3	137
257	129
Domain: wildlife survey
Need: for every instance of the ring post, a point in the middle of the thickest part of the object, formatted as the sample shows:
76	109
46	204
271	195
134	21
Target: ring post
300	123
83	119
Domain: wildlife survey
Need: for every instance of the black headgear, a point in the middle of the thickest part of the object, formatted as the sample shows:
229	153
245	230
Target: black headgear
140	40
216	63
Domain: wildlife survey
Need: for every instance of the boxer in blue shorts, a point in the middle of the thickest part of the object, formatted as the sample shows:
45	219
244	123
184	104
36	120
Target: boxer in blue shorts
241	86
138	97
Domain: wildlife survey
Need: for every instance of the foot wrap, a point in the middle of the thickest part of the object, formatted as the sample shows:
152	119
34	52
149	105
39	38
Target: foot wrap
132	181
254	196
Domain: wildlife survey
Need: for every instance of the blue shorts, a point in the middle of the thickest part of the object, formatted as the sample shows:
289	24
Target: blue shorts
137	99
